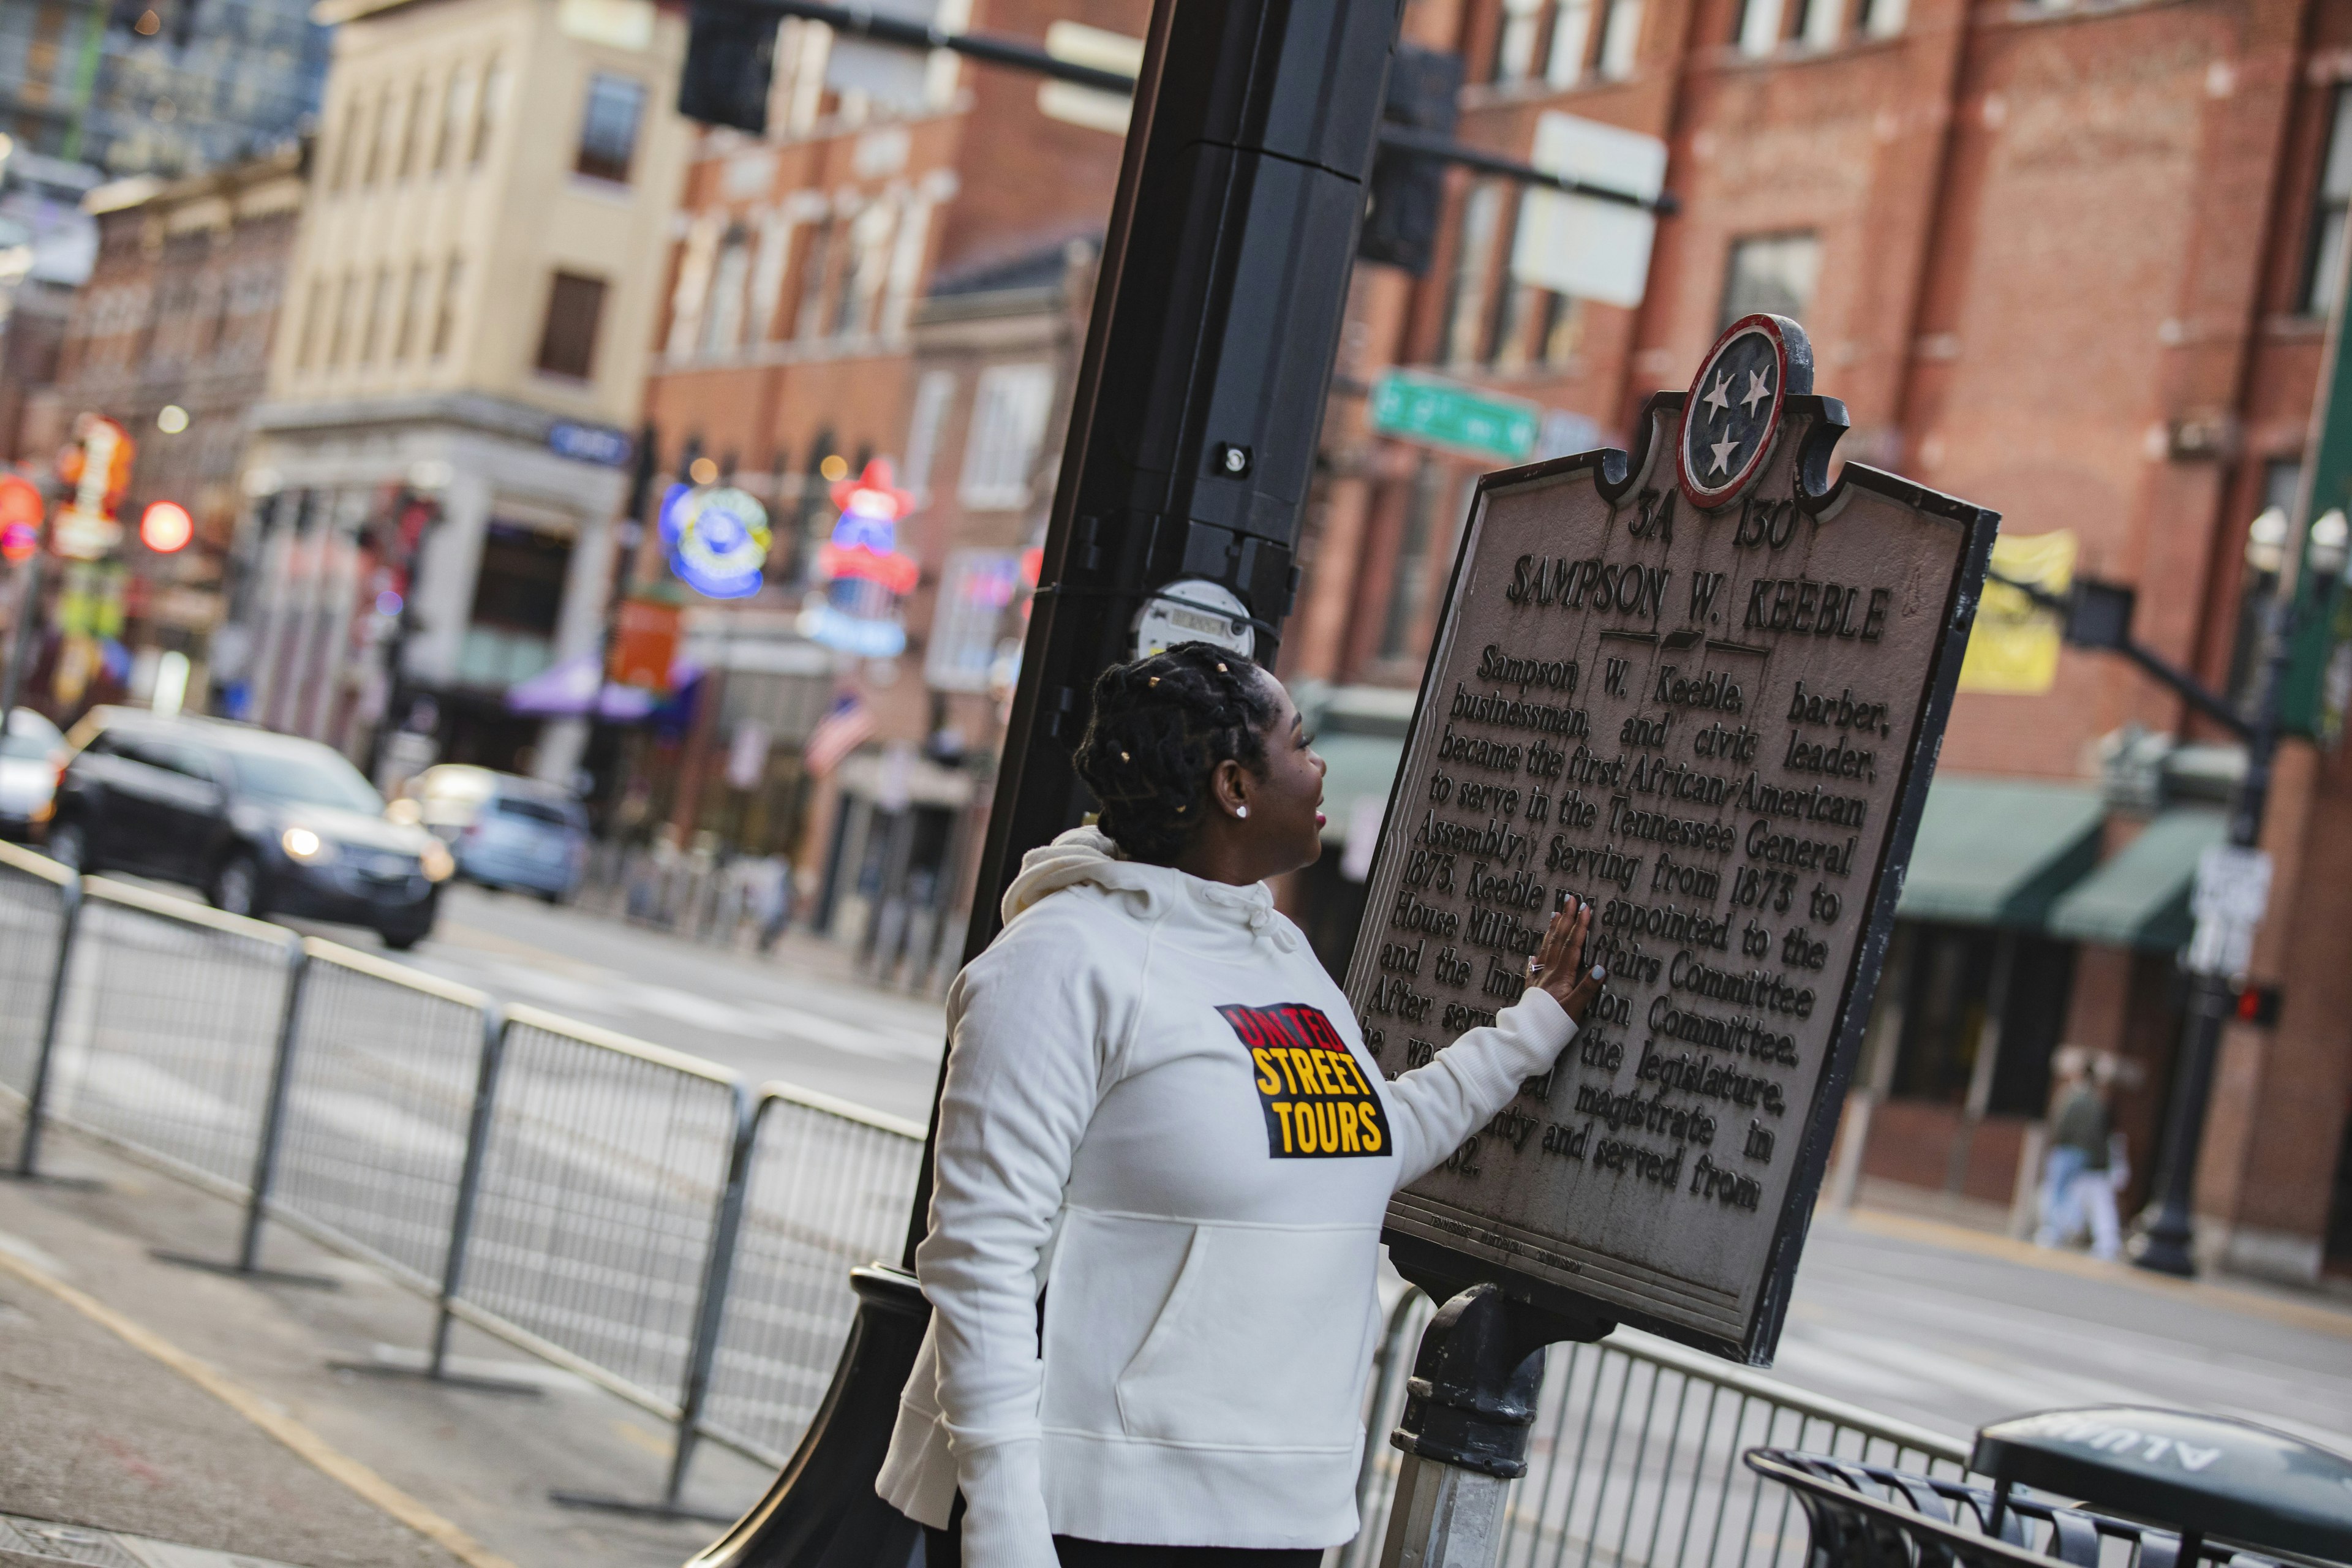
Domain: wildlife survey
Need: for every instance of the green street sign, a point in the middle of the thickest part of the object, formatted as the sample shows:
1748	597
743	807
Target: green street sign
1459	418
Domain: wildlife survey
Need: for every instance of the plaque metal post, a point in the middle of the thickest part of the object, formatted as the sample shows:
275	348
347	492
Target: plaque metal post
1467	1412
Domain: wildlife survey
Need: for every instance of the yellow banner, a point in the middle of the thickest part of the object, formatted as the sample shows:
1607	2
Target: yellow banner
2014	647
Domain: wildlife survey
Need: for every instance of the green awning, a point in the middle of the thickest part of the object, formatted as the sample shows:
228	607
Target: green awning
2000	851
2140	898
1359	767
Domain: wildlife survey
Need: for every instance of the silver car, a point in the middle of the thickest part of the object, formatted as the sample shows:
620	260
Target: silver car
31	752
506	830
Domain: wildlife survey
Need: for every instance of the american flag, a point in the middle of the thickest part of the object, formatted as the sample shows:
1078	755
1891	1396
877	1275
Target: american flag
846	725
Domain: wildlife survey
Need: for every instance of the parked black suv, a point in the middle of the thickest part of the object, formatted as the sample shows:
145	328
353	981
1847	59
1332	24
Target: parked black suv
265	824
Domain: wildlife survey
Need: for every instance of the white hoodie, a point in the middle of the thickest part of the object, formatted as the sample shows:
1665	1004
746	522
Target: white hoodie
1158	1112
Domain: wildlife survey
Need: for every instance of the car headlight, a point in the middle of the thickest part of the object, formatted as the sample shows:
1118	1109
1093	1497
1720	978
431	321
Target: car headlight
305	846
437	862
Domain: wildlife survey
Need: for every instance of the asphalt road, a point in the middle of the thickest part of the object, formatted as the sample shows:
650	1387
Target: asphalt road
1927	1325
798	1017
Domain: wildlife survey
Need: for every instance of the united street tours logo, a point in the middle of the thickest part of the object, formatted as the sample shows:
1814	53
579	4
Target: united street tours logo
1317	1102
1734	408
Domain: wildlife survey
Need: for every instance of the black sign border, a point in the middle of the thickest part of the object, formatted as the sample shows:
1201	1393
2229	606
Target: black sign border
1817	423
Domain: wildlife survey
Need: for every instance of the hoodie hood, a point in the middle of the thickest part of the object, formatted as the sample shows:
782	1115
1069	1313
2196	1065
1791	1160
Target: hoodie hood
1087	856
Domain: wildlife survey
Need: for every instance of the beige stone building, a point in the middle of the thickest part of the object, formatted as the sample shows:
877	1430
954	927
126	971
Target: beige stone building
460	357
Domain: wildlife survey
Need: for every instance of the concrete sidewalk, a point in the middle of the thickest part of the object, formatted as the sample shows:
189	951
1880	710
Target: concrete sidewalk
196	1408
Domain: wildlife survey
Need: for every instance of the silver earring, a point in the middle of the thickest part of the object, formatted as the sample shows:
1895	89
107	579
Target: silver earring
1241	811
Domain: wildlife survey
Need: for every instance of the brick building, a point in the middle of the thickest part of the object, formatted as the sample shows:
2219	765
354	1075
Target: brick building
897	270
2074	261
437	468
171	337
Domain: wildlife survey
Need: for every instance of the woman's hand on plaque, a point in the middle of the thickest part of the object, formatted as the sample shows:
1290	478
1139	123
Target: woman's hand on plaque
1558	964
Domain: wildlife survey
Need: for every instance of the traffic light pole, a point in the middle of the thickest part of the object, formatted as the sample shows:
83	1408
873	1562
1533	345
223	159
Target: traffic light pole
1191	446
2167	1245
857	22
23	643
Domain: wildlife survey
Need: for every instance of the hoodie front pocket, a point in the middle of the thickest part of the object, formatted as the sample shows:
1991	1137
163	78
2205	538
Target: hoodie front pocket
1261	1343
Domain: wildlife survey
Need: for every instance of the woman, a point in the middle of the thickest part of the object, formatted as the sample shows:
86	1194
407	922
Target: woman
1163	1156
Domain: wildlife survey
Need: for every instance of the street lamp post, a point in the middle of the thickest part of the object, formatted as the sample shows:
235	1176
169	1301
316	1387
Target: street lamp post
2217	954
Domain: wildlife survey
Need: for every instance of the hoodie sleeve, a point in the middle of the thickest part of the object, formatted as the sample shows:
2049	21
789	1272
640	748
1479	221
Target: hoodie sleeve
1434	1107
1035	1023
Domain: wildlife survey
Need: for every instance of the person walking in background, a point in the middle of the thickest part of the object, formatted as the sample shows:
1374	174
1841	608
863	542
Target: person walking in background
1164	1150
2078	1185
772	899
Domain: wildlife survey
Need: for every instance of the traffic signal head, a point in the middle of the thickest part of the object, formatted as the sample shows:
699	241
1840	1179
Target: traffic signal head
730	57
1407	194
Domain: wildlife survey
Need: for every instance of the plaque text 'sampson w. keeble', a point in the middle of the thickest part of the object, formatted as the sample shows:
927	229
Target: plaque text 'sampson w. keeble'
1703	689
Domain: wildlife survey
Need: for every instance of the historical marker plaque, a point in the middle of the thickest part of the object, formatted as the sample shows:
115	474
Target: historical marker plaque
1704	689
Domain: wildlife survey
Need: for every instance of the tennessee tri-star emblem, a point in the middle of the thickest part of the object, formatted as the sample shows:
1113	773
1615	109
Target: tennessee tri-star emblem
1734	409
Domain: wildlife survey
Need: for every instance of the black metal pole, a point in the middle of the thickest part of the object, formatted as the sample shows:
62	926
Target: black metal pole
2168	1246
1190	451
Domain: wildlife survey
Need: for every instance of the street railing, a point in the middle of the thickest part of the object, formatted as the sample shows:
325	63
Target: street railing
379	1109
1634	1458
37	902
645	1220
171	1030
828	1191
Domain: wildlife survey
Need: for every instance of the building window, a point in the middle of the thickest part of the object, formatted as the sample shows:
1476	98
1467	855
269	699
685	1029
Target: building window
1954	981
1820	22
723	320
1562	329
379	305
444	320
933	395
768	273
2319	281
1620	40
1008	421
1515	43
1473	261
346	141
810	322
864	266
346	298
456	110
412	312
1571	41
977	592
375	135
1773	273
1883	18
305	343
1759	30
608	127
1411	584
486	117
907	251
567	343
420	126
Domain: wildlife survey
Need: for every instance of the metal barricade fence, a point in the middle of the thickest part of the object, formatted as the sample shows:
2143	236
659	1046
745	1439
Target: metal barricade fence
1634	1458
597	1214
37	902
828	1191
169	1033
633	1215
384	1061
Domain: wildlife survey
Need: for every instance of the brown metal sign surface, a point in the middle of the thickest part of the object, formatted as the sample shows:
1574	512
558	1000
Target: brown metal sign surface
1704	690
